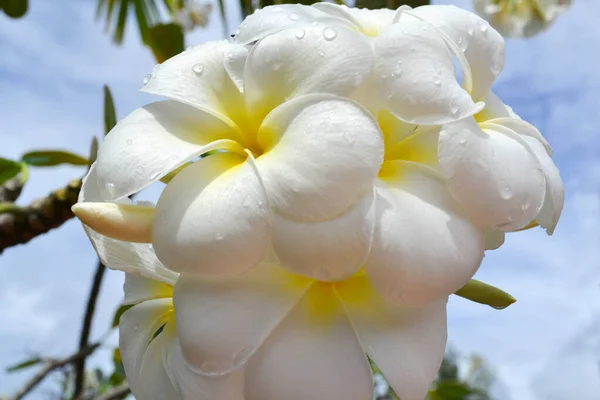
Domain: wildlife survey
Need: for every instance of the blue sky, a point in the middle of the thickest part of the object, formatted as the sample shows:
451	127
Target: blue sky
53	64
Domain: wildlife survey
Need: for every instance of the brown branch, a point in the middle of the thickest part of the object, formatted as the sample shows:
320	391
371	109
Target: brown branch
115	393
86	328
23	224
11	189
50	366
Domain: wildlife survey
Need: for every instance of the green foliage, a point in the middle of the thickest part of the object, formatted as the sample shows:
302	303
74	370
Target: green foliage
51	158
166	40
110	116
392	4
9	169
14	8
118	314
24	364
483	293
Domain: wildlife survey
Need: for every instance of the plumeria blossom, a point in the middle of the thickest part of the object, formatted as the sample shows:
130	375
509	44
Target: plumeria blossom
329	183
521	18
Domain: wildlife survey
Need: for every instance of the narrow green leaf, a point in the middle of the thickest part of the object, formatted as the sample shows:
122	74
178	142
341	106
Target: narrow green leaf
8	169
121	22
142	20
24	173
110	116
166	40
15	8
50	158
109	11
226	31
93	151
118	314
99	7
24	364
483	293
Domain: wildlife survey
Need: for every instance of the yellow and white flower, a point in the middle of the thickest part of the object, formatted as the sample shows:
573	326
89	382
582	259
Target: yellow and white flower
521	18
329	184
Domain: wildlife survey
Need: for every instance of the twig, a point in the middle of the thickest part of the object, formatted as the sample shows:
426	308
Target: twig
42	215
50	366
86	328
114	393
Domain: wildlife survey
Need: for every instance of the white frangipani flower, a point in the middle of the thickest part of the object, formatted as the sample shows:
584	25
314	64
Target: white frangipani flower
329	184
521	18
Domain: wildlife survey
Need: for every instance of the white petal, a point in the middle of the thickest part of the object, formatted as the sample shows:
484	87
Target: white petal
137	327
322	153
138	289
194	386
272	19
235	62
414	75
482	45
523	128
327	251
305	360
212	218
370	22
153	140
198	77
407	344
422	249
132	258
222	321
154	382
492	173
495	108
302	59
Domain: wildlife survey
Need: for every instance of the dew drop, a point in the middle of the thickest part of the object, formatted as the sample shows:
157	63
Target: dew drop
147	78
454	109
198	69
329	33
463	141
300	34
437	81
294	17
505	193
260	203
423	28
470	30
357	79
246	202
129	142
218	236
462	44
315	23
322	53
276	66
349	138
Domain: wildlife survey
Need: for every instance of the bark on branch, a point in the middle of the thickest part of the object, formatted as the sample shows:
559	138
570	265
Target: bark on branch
22	224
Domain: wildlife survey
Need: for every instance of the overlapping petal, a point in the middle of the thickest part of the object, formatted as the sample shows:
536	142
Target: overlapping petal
423	250
212	218
414	76
407	344
483	46
322	152
331	250
303	361
492	173
317	57
370	22
154	140
198	77
233	316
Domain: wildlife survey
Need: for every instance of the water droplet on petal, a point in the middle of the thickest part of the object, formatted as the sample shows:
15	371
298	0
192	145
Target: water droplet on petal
463	141
437	81
129	142
294	17
322	53
276	66
506	193
315	23
329	33
349	138
454	109
198	69
300	34
470	30
462	44
218	236
247	201
147	78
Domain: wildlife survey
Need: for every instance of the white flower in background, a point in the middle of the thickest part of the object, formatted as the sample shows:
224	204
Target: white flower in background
521	18
329	184
194	14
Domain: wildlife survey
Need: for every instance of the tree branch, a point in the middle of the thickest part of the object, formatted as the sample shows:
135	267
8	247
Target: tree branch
86	328
22	224
50	366
115	393
10	191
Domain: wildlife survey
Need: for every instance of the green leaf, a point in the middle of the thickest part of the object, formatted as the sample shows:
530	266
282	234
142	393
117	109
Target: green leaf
24	364
166	40
93	151
121	22
483	293
8	207
142	19
50	158
118	314
14	8
8	169
110	116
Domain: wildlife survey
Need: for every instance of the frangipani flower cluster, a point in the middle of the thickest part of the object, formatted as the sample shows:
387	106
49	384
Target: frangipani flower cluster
330	182
521	18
